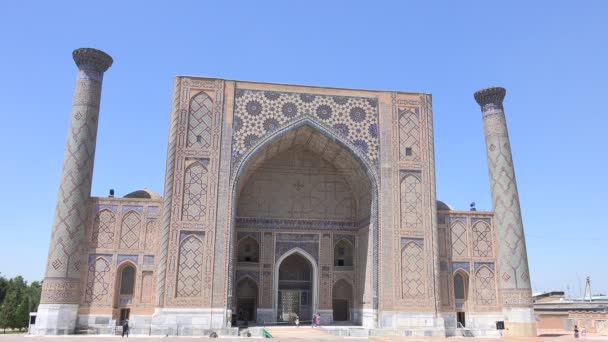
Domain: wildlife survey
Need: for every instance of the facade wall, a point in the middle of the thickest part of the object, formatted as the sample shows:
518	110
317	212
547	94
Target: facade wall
121	232
294	168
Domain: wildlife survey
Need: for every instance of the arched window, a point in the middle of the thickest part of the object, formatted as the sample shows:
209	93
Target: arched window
248	250
343	254
127	280
460	286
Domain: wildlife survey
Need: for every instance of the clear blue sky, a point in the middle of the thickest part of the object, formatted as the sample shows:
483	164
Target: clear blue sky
552	56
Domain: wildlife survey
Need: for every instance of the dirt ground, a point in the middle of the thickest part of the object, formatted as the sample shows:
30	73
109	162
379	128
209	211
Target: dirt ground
303	335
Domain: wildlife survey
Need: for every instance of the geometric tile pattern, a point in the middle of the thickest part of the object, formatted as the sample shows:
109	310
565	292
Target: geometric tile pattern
482	239
409	133
199	121
459	239
299	192
130	230
64	267
258	113
485	287
151	240
103	229
507	213
189	277
195	193
411	201
98	282
412	271
146	287
74	190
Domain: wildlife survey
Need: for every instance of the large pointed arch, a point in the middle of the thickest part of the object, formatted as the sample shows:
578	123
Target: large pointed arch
259	148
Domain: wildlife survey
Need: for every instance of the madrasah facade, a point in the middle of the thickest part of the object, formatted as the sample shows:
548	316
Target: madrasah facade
284	200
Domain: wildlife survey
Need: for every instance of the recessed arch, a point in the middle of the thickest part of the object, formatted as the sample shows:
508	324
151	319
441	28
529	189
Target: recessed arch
461	285
247	293
248	250
343	253
125	284
342	300
315	277
263	146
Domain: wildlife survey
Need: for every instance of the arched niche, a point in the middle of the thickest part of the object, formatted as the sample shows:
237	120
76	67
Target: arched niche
343	253
248	250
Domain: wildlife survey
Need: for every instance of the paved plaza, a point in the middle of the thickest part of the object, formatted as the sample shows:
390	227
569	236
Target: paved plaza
303	333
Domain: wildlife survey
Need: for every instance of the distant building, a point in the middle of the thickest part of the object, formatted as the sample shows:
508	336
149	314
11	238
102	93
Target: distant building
554	311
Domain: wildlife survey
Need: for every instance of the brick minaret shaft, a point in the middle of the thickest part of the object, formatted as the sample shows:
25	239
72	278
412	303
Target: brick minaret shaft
65	260
513	275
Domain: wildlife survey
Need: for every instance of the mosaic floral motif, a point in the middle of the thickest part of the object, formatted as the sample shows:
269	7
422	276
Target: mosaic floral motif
307	98
250	140
271	124
357	114
324	112
272	95
290	110
258	113
254	108
341	100
342	129
373	130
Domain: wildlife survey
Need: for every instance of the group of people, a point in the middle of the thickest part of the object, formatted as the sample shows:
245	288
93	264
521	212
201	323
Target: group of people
583	332
316	320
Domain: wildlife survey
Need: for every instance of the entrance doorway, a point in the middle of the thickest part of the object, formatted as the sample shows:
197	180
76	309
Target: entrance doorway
342	297
460	319
124	315
295	289
246	300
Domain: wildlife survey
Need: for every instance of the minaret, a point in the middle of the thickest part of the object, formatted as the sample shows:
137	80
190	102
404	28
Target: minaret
512	261
61	294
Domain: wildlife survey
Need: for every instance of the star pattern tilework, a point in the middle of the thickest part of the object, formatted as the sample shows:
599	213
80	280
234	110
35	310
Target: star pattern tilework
259	113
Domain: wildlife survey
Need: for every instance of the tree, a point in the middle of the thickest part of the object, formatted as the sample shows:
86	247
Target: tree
7	312
34	292
3	288
22	313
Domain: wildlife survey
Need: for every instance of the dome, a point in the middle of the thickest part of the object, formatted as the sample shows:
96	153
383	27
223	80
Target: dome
443	206
145	194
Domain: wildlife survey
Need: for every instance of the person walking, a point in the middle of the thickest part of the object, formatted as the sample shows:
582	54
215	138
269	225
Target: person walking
297	321
576	331
318	320
314	320
125	328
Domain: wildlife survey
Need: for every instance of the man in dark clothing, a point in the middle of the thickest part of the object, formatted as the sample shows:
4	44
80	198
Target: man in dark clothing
125	328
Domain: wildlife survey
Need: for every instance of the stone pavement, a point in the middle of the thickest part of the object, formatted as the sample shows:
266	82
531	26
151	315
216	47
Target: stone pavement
302	333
